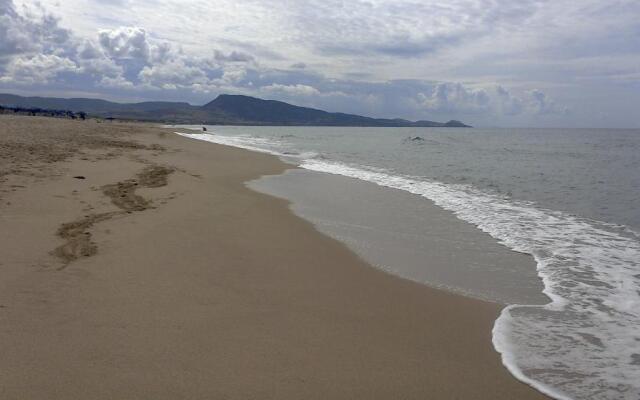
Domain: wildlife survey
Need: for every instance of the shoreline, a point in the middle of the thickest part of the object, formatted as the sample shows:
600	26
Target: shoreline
400	232
211	289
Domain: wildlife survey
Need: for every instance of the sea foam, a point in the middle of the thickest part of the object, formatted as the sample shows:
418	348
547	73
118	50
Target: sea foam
585	343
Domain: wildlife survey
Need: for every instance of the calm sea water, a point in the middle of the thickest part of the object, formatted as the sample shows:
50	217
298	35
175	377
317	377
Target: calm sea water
571	198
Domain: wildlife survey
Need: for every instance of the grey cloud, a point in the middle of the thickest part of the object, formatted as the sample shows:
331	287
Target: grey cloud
34	49
161	52
455	97
291	90
20	35
403	47
508	104
6	7
130	59
401	29
133	43
94	61
413	99
234	56
540	103
37	69
173	74
495	60
495	100
88	51
254	49
100	67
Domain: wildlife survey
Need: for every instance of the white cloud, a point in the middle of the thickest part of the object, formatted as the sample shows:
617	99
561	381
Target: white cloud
291	90
506	103
495	100
233	74
489	60
133	43
172	74
37	69
116	82
125	43
541	104
234	56
100	67
34	34
455	97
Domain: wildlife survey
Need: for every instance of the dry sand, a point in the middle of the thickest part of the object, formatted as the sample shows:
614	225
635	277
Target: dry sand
161	276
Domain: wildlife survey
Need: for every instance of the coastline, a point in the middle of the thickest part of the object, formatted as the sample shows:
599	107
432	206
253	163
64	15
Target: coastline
209	289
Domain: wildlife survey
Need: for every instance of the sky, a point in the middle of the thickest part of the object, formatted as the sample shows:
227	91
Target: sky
492	63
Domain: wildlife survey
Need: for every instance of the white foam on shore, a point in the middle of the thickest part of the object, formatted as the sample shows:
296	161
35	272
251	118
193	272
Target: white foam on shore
253	143
586	342
244	142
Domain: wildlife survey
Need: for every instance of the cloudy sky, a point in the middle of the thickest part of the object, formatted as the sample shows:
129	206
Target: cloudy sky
573	63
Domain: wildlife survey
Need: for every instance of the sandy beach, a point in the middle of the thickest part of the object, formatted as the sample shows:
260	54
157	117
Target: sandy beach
136	264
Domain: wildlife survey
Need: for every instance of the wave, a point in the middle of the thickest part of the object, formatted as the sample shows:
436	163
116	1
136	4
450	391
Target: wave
585	342
253	143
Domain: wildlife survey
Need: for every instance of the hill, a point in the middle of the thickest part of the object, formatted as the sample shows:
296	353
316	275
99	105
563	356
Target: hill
224	110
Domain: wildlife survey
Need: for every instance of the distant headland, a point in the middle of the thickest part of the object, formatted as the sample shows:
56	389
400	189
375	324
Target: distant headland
224	110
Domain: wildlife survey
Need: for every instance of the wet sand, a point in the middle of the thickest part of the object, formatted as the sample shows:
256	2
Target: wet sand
136	264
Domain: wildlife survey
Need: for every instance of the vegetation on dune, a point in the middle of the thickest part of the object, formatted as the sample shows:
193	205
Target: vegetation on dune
43	112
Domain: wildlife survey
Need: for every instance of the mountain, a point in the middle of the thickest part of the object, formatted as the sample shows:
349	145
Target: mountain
224	110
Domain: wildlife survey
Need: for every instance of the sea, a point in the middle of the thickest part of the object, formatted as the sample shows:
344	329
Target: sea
566	199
